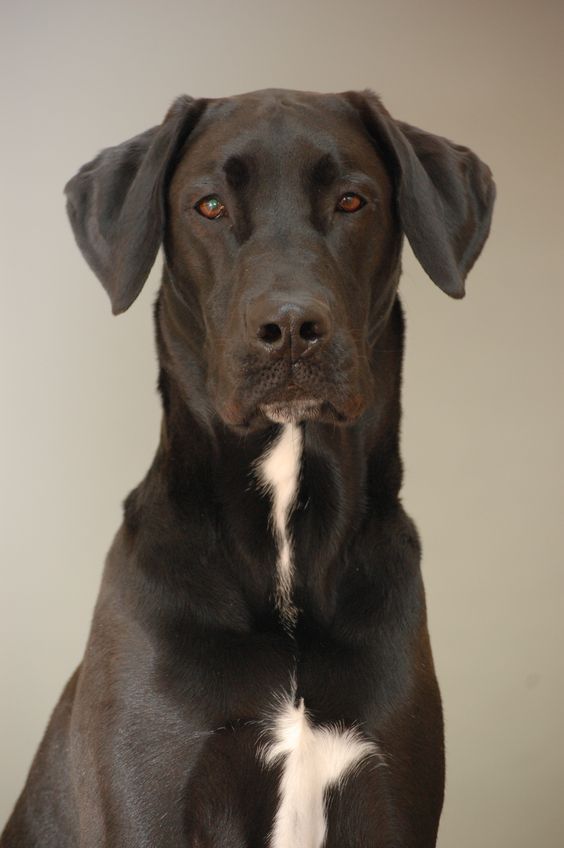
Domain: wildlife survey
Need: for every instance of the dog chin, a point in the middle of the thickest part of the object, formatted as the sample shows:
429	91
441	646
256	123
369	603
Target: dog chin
242	418
291	412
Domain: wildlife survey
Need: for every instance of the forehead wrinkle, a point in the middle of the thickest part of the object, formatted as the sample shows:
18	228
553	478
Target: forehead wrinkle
269	154
269	133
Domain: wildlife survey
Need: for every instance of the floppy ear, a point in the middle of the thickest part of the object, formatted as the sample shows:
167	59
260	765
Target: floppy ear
116	203
445	194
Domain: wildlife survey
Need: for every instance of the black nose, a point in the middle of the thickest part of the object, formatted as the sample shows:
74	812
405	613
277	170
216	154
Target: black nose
292	327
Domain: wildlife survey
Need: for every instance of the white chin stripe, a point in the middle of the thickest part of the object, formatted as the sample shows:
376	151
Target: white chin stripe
278	472
314	758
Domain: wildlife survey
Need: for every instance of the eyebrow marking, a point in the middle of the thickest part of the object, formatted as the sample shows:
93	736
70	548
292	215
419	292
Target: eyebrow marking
325	171
236	171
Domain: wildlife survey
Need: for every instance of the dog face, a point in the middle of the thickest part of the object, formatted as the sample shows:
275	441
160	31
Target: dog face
280	227
282	216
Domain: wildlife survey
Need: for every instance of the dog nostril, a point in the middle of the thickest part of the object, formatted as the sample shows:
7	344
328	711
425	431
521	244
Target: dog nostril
311	331
270	333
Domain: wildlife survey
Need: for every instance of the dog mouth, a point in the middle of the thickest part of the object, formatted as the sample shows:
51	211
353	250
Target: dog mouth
284	394
291	412
286	409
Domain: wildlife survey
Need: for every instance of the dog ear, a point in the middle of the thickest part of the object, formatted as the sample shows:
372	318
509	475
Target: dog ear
116	203
445	194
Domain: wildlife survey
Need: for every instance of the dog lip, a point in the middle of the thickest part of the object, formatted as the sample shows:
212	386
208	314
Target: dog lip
286	412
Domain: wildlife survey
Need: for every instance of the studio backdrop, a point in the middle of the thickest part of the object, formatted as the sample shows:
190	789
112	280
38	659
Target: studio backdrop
482	422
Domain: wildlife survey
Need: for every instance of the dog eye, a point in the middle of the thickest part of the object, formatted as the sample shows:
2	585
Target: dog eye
210	207
350	202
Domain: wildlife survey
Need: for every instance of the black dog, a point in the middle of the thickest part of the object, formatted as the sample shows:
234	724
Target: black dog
259	671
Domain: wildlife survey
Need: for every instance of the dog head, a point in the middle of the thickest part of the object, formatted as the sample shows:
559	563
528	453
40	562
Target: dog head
281	215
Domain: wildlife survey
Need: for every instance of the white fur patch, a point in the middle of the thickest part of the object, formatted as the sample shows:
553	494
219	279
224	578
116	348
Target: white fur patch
315	758
279	473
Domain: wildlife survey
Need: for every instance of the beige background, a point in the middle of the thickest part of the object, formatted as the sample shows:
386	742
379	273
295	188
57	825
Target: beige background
483	417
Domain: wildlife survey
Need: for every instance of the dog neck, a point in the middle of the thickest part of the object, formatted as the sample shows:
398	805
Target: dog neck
294	495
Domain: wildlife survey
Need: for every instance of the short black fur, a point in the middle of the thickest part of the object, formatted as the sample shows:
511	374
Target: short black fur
156	740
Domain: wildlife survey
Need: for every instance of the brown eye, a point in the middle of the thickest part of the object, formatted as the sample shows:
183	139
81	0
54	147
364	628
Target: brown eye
350	203
210	207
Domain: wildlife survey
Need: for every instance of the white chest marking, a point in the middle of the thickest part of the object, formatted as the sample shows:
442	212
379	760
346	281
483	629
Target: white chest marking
279	472
315	758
